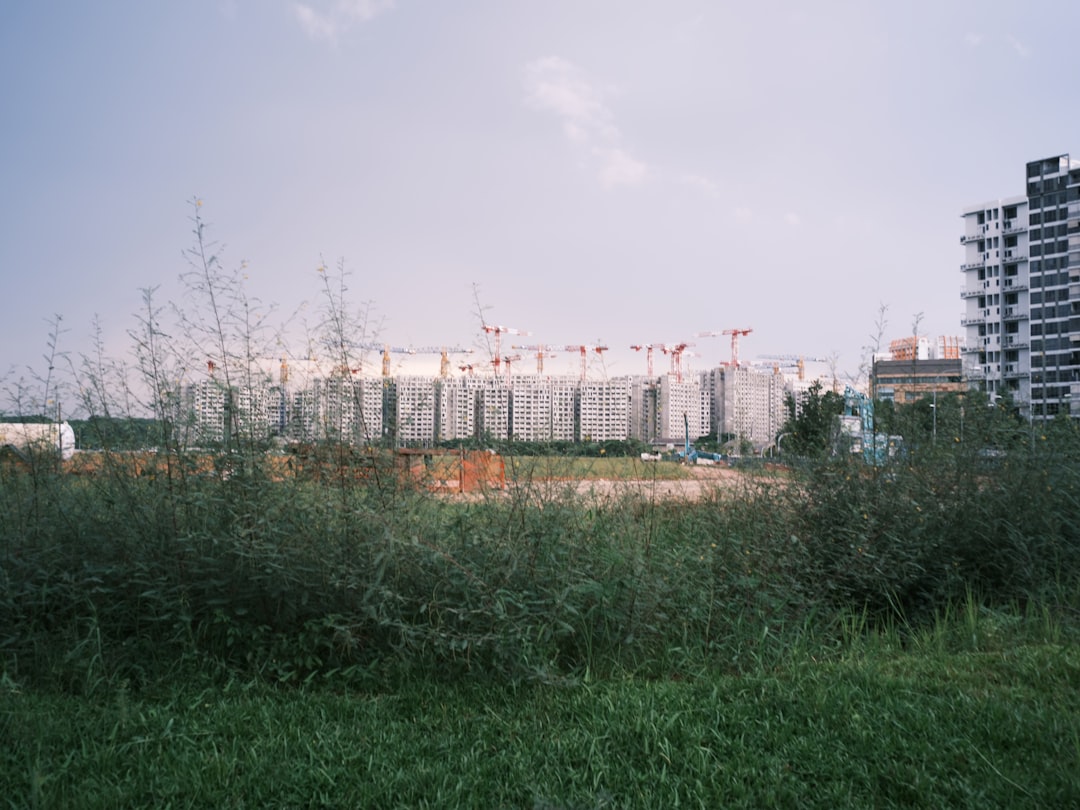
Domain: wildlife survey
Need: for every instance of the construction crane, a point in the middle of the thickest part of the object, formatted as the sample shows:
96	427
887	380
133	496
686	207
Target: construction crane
499	331
444	351
541	353
788	362
509	360
735	334
648	348
676	351
467	368
584	350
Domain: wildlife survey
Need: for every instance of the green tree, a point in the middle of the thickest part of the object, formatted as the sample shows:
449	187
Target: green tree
811	422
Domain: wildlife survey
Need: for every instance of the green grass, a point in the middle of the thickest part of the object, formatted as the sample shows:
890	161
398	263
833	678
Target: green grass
878	728
889	638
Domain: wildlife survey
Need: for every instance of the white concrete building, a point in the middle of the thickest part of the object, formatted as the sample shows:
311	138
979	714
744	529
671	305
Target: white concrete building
457	408
1021	290
678	399
493	408
410	406
530	409
604	410
746	403
202	413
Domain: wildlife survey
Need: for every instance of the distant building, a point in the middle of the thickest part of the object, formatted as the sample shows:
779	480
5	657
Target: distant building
906	381
746	403
604	410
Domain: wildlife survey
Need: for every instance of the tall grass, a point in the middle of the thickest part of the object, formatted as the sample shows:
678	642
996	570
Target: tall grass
121	576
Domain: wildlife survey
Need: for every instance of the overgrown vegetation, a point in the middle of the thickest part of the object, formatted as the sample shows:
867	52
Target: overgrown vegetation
844	634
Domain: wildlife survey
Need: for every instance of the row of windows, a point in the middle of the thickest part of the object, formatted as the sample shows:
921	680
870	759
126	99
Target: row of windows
1060	311
1053	375
1050	345
1065	359
1058	294
1050	165
1060	198
1049	215
1049	232
1050	328
1061	246
1050	280
1049	263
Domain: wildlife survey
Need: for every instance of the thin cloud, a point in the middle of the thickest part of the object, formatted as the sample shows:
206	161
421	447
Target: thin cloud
973	39
1019	47
338	17
559	87
620	169
793	219
703	184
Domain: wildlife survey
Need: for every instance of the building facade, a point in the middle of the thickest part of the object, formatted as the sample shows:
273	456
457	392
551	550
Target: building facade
746	404
1021	290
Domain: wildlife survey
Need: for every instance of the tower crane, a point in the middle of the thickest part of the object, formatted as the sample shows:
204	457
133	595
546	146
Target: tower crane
541	353
499	331
444	351
648	347
791	361
584	350
676	352
735	334
509	360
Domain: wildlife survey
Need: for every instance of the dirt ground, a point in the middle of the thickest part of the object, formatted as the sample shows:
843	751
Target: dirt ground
703	480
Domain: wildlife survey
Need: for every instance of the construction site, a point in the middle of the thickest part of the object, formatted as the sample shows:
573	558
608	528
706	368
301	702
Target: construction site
508	397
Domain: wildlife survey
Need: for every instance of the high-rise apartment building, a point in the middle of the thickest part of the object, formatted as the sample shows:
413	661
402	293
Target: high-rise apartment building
604	410
745	403
1021	290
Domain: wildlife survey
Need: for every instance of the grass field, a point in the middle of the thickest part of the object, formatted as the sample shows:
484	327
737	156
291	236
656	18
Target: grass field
881	728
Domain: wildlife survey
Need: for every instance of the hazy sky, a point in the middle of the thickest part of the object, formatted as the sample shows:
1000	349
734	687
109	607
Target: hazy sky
622	171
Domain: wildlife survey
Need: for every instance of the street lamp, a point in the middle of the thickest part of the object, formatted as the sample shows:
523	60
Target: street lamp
933	408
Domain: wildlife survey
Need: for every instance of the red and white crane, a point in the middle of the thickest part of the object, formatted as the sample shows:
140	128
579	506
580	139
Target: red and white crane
648	348
584	349
444	352
735	335
509	360
540	351
499	331
676	352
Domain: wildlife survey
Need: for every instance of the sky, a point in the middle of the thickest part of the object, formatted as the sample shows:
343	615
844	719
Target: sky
611	172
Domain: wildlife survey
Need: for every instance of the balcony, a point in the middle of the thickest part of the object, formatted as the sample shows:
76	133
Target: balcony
1011	373
975	265
975	321
1015	285
967	293
1014	342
